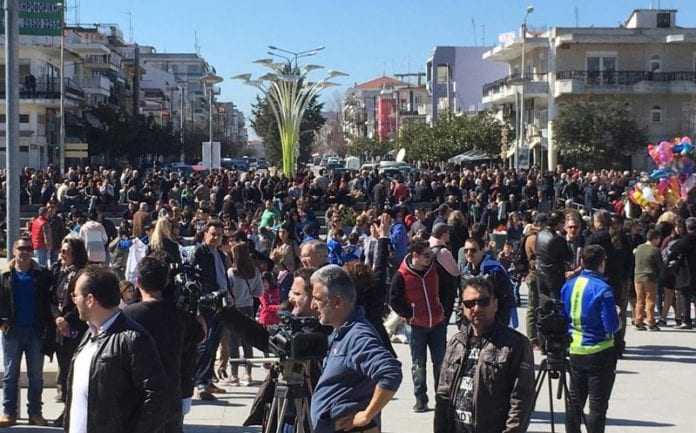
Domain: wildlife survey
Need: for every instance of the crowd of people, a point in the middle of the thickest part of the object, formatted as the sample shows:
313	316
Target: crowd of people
378	260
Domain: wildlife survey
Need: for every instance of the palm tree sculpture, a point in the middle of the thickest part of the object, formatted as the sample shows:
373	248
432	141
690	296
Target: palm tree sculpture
289	93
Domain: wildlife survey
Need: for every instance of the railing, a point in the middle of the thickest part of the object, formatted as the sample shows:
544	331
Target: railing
625	78
495	86
45	89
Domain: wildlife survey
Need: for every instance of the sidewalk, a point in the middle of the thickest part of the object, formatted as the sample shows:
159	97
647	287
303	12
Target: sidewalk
653	394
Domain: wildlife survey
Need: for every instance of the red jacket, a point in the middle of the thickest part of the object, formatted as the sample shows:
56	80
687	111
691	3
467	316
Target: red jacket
420	291
270	303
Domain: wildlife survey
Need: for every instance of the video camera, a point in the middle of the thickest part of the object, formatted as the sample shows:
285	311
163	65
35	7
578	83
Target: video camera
189	294
297	338
553	328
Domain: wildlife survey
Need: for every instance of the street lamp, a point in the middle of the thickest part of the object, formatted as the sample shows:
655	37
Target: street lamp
530	9
209	80
61	136
289	93
295	54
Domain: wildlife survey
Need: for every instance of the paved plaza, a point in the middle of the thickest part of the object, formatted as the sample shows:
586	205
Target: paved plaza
654	393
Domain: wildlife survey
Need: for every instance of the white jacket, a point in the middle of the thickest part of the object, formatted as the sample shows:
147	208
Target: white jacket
135	254
94	236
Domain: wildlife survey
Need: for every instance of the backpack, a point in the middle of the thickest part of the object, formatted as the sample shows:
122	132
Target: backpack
520	261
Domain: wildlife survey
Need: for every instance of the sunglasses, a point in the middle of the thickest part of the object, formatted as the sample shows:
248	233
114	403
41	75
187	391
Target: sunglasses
28	249
470	250
481	302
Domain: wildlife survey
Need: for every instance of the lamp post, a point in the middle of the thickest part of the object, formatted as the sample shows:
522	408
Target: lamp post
61	134
209	81
289	93
295	54
520	137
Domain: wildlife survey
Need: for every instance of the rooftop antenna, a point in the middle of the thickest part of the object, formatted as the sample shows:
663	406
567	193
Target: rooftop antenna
196	45
483	35
577	17
130	25
473	26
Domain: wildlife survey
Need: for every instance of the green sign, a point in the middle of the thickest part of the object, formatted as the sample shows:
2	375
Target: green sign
38	18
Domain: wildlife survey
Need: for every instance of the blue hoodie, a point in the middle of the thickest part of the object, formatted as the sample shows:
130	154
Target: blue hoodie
357	361
589	307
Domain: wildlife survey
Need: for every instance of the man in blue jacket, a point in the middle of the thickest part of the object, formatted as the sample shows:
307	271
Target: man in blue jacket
360	375
589	307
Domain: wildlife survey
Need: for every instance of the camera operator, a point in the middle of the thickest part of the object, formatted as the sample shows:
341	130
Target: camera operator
590	309
210	261
360	375
552	257
475	393
168	327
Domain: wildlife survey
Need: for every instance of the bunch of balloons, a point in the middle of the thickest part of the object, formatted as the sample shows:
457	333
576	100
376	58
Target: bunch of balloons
673	178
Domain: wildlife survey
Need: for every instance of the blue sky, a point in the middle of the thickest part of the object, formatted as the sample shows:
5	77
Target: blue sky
362	37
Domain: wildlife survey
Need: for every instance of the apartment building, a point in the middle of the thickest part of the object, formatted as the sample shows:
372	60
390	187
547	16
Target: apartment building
380	107
454	76
649	62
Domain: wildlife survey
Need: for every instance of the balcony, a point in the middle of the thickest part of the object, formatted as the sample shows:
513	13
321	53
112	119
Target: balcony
505	89
47	89
625	82
97	85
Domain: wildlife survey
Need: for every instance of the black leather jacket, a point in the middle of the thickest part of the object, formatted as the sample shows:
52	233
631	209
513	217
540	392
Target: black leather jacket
128	389
552	257
503	382
204	261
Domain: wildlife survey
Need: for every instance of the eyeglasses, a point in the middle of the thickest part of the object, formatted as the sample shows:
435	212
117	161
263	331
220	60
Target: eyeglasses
481	302
470	250
26	249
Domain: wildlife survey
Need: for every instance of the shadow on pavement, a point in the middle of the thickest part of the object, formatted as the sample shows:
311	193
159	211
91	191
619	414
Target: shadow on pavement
544	417
192	428
221	401
681	354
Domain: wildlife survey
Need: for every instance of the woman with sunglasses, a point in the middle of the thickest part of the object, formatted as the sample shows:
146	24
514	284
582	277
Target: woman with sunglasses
69	327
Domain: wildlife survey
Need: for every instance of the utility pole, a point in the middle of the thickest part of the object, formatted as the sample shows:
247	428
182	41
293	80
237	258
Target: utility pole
181	126
12	121
61	142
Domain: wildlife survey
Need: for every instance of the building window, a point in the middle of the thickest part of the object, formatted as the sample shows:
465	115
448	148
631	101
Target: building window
601	69
23	118
664	20
442	103
655	64
442	73
656	114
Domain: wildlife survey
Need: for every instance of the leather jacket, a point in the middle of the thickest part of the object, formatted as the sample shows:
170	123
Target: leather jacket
204	261
552	257
503	382
44	323
128	389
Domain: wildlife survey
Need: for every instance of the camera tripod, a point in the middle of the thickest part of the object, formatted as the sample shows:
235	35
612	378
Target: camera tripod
291	388
555	367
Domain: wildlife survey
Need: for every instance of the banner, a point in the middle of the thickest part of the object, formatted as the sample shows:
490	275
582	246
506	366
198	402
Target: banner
37	18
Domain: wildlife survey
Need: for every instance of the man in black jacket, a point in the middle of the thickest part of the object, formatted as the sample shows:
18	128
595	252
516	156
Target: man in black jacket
117	382
168	327
27	328
212	269
685	249
552	258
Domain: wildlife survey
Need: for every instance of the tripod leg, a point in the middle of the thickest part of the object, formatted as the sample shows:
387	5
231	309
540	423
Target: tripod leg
553	417
282	410
271	416
300	415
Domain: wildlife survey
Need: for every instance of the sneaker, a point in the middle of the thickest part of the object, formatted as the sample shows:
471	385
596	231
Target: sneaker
420	406
38	420
684	326
653	328
205	395
215	390
246	380
232	381
7	421
662	322
640	327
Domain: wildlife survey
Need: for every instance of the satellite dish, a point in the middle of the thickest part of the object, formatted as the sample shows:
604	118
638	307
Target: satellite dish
400	155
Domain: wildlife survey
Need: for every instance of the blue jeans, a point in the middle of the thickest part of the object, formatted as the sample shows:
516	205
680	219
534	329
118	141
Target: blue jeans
15	342
41	255
422	338
206	351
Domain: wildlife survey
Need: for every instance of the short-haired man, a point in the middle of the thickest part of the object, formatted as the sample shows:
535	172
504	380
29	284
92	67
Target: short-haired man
415	296
211	263
552	258
171	330
360	375
41	238
117	382
648	265
487	379
27	329
589	307
447	269
314	254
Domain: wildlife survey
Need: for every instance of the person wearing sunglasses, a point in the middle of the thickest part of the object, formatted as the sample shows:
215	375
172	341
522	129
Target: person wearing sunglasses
27	328
487	377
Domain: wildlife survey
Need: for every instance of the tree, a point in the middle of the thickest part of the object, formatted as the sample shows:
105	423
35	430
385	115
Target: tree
264	123
368	148
597	133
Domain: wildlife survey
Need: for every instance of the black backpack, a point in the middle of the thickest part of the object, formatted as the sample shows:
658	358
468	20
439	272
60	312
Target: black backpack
520	261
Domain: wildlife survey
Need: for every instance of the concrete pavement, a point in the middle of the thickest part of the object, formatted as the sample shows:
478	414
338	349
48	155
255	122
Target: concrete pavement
654	391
